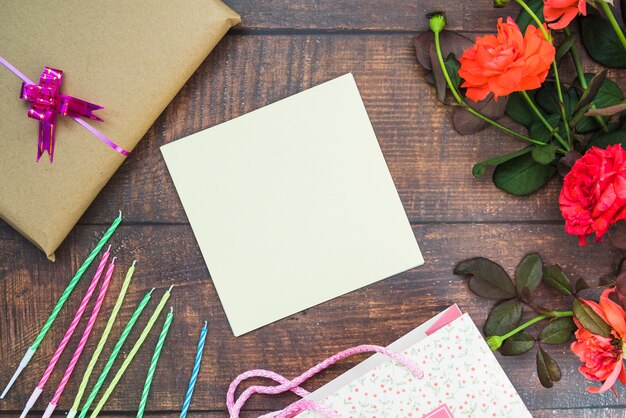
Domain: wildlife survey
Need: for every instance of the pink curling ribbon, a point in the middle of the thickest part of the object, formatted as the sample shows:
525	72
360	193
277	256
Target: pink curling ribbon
47	102
286	385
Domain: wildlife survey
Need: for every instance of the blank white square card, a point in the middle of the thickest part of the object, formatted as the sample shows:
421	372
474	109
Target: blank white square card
292	204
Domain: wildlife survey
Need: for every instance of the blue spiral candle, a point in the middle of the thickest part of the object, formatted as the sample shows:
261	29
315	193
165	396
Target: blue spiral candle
194	374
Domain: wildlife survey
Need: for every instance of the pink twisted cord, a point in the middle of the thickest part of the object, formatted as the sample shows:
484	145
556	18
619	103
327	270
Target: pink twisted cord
234	408
74	324
86	333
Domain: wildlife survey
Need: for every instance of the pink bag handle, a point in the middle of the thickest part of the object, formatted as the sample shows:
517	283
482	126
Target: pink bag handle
285	385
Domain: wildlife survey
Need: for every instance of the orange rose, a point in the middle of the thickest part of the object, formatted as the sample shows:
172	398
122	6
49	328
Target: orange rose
602	357
561	12
507	62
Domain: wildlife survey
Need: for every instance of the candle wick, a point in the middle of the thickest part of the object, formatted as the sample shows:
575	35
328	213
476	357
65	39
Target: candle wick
171	309
120	214
109	249
170	289
152	290
206	323
134	262
113	261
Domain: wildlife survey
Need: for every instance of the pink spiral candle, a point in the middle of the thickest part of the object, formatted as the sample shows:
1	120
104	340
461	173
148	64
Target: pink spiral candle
68	334
83	341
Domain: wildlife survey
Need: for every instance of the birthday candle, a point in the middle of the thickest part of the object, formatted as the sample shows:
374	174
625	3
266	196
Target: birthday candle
102	342
153	364
118	346
132	354
83	340
55	312
66	338
194	374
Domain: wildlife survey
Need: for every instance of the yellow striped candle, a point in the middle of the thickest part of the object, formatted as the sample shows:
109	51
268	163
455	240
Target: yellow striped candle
132	354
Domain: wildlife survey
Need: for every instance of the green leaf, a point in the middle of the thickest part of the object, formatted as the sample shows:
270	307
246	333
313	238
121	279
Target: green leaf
554	277
609	94
524	19
593	88
518	110
522	175
547	369
517	344
503	318
488	279
544	154
565	46
604	140
558	331
601	42
480	167
452	66
529	273
540	132
590	320
548	99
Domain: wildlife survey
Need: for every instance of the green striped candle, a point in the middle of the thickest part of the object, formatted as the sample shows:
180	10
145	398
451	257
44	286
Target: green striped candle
55	312
132	354
114	354
153	364
102	342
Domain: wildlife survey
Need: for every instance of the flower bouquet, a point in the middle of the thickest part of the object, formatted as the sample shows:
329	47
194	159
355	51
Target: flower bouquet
576	128
598	328
571	126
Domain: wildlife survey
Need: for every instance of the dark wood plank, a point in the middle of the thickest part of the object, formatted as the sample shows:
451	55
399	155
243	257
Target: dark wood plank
429	161
377	314
382	15
580	413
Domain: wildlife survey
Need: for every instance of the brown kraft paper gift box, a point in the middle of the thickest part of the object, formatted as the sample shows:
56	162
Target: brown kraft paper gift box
131	57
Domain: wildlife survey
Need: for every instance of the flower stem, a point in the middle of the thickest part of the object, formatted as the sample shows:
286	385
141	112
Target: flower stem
544	121
618	31
465	106
553	314
555	70
581	77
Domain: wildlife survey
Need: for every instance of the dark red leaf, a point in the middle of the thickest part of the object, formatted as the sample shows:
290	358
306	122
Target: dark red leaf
466	124
566	163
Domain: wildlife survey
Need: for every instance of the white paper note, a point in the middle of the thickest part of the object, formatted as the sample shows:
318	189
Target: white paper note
292	204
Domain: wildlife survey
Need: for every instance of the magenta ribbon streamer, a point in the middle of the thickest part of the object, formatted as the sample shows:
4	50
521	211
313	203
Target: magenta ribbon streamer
47	102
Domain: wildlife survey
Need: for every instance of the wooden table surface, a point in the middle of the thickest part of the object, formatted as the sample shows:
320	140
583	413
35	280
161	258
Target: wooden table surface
281	48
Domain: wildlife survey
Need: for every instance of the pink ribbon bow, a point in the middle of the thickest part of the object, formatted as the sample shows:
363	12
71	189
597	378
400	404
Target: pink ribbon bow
47	102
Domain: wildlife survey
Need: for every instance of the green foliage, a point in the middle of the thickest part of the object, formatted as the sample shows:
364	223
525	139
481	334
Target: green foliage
589	319
480	167
522	175
547	369
487	279
519	343
554	277
558	331
502	328
601	42
524	19
504	317
529	273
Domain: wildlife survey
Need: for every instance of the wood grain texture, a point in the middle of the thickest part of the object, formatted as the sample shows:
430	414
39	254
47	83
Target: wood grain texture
281	48
429	162
364	15
391	307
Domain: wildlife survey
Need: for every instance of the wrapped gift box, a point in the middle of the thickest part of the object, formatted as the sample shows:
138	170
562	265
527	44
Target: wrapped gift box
129	57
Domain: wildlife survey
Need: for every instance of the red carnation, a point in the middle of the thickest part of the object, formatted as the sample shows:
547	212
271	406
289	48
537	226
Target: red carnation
594	192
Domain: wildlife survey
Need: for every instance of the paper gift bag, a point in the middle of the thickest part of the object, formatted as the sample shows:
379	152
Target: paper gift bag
442	369
129	57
